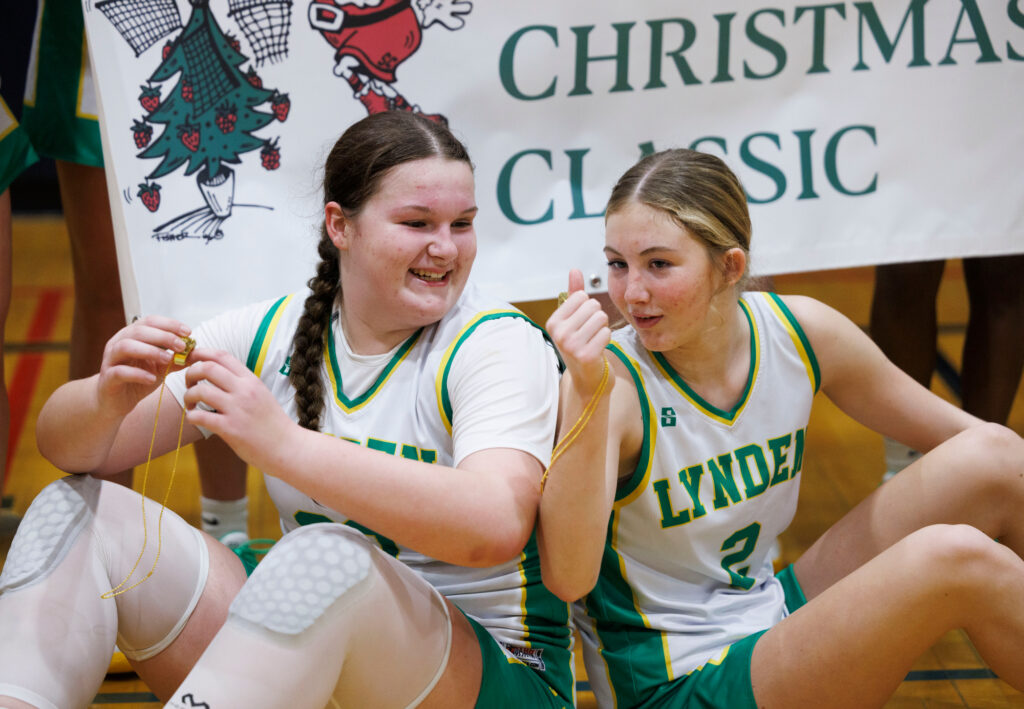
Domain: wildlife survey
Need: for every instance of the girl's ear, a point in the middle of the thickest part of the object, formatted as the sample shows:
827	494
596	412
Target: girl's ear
338	225
734	265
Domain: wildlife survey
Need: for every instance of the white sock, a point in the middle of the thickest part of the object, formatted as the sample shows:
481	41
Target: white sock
223	517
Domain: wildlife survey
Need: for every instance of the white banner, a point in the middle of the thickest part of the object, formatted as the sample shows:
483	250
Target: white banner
863	132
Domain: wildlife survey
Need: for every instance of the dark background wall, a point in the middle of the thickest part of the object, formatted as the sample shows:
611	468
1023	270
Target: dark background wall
36	188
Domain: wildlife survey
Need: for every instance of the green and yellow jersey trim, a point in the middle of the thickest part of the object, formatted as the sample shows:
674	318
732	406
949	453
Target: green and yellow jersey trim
334	372
265	334
800	341
638	480
444	404
713	412
614	594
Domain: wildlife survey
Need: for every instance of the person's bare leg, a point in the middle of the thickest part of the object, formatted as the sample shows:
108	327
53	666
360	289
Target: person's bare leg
974	478
76	581
98	309
993	355
887	613
358	612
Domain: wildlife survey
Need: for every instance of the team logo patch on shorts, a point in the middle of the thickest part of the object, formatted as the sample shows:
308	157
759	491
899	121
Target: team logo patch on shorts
531	657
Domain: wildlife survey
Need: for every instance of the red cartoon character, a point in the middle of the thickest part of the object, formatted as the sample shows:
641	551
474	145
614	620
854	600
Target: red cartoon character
141	132
149	193
373	37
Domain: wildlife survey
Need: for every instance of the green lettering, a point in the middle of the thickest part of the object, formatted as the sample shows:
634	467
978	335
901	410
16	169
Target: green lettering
506	64
726	491
832	168
579	210
869	16
657	41
505	189
753	489
806	173
690	478
779	446
798	454
379	445
724	40
818	41
980	38
669	518
765	42
621	58
1017	18
767	169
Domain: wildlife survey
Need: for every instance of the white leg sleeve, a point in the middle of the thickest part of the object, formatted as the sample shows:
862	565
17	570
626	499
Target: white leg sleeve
327	619
79	538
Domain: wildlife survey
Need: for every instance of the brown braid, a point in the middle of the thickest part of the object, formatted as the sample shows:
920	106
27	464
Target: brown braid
308	343
354	169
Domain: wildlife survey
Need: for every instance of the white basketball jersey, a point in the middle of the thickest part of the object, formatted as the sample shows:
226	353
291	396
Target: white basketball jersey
686	569
409	406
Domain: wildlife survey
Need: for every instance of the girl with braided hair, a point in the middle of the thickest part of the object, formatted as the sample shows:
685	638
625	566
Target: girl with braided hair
400	444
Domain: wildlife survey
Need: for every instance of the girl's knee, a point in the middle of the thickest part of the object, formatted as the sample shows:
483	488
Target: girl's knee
303	575
957	556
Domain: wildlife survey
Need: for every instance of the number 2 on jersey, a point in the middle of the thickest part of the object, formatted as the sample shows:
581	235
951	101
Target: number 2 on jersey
746	538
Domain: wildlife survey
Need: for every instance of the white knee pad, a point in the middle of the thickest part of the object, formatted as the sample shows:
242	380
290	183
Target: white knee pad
319	621
50	526
306	572
149	616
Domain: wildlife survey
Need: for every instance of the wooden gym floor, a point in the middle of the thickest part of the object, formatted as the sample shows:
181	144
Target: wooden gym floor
843	461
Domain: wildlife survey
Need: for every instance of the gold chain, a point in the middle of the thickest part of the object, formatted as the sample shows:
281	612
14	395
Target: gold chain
580	424
118	589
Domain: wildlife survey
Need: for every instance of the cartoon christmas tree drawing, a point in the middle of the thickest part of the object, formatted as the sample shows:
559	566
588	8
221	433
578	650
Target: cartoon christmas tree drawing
209	116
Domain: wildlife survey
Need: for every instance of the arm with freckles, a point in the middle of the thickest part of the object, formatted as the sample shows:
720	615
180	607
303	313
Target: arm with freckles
580	488
479	513
858	377
104	423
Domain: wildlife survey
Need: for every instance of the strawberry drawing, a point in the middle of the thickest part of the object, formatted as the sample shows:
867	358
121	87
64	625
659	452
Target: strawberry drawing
253	78
149	98
270	155
281	104
166	51
188	133
226	117
186	90
233	41
141	132
149	193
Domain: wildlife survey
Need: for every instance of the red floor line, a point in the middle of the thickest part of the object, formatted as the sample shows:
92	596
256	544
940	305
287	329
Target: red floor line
25	376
